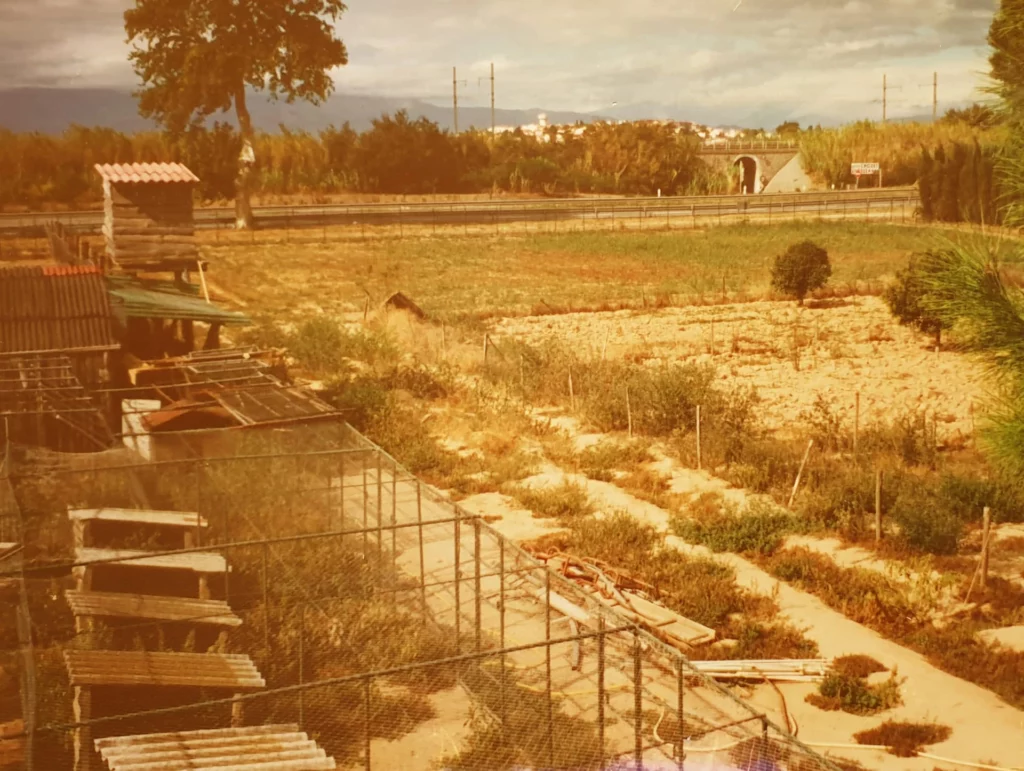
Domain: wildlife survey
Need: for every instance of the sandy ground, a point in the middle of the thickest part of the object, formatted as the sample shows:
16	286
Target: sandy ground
985	729
849	346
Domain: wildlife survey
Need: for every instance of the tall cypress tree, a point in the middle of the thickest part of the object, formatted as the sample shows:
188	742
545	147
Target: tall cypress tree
924	184
949	205
967	185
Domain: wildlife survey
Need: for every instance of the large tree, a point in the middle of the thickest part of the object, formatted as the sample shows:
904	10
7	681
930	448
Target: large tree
1006	36
199	57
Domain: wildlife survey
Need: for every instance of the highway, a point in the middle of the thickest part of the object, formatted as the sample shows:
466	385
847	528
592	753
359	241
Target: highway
902	201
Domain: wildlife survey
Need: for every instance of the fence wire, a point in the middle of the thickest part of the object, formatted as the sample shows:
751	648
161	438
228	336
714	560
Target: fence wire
388	625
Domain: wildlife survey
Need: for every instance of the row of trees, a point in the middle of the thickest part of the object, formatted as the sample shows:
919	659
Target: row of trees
959	185
397	155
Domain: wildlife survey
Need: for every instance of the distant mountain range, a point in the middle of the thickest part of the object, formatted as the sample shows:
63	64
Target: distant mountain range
52	110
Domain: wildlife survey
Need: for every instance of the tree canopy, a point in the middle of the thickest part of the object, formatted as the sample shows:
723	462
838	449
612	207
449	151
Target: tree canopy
803	268
199	57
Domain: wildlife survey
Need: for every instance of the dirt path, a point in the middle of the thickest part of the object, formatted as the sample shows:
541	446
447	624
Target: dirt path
985	729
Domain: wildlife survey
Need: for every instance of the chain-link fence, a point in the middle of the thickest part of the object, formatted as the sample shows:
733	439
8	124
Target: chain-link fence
386	624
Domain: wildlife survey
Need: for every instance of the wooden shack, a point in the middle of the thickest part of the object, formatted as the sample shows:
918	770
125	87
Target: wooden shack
148	223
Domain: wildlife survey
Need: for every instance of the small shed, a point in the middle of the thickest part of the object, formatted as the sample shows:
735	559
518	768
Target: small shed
148	222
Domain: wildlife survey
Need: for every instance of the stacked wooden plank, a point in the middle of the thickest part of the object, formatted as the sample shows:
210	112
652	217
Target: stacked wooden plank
88	669
229	671
778	670
260	748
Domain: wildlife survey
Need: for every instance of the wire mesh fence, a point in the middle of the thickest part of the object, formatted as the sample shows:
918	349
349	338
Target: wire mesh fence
326	224
357	609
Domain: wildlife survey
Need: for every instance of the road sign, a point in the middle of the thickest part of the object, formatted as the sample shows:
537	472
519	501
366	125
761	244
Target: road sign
864	168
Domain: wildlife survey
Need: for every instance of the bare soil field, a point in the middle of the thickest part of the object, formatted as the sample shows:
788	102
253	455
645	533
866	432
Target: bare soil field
790	355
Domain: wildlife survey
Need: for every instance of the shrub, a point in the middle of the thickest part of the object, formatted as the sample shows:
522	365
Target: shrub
568	501
904	740
598	461
801	269
321	345
926	522
849	693
906	300
758	529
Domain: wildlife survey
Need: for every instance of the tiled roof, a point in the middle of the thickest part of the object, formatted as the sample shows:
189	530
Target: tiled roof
145	172
54	308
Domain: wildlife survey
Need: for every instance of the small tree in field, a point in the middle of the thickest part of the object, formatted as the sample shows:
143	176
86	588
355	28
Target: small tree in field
906	299
803	268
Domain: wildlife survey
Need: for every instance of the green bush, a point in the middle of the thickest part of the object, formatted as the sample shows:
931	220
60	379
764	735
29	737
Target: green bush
849	693
906	300
758	529
567	502
926	522
801	269
904	740
322	345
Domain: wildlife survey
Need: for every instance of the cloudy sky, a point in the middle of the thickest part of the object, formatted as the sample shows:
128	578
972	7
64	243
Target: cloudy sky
800	57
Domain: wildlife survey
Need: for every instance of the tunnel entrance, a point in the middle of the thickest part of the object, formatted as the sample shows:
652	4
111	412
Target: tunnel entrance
749	183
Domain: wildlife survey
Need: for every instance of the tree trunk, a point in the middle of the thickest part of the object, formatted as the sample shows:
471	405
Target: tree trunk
243	209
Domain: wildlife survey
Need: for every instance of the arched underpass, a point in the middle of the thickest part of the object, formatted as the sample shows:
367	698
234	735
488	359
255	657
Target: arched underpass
749	177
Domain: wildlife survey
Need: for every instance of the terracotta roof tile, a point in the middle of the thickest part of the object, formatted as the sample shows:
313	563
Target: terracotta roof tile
145	173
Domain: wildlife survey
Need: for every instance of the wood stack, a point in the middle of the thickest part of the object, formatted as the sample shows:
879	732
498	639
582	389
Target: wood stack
777	670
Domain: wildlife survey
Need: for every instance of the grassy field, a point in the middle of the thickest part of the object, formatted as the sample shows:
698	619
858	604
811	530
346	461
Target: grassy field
513	275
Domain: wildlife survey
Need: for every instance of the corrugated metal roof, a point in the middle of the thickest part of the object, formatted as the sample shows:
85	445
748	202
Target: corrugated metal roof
145	173
248	405
54	308
140	298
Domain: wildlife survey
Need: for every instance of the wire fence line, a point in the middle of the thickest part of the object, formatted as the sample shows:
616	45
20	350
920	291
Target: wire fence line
387	623
310	225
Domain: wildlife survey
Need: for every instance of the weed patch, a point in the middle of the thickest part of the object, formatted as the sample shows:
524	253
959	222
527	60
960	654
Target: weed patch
904	740
567	502
758	529
848	693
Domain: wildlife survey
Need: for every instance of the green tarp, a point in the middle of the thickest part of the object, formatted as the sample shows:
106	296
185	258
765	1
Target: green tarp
153	299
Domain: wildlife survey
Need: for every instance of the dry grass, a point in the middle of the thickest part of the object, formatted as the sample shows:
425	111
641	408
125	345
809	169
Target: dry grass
515	275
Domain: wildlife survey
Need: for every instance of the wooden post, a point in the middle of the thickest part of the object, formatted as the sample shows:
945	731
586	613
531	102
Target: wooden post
423	563
476	584
629	415
367	734
800	473
202	280
638	702
572	393
82	711
237	712
698	439
501	628
547	651
878	505
487	344
986	539
856	422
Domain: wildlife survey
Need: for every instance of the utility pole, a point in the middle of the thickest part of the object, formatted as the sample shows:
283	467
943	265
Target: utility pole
935	96
884	89
455	99
492	101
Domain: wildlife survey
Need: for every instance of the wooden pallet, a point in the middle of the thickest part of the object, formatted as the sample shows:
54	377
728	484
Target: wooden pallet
188	522
235	672
142	606
261	748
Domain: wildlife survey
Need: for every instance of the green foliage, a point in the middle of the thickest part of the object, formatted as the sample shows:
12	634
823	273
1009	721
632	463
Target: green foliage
1006	36
567	502
977	116
966	288
855	695
905	298
198	58
924	185
926	522
960	185
322	345
803	268
758	529
600	460
904	740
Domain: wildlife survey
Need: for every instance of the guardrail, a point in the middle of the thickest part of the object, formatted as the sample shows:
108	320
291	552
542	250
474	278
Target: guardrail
473	212
750	144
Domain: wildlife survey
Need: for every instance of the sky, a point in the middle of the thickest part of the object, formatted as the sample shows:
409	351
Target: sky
787	58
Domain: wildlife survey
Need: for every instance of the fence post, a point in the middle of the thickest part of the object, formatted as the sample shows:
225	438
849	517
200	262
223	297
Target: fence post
800	473
680	690
600	687
638	702
501	627
302	656
366	509
380	510
629	415
341	493
366	721
878	505
547	661
266	608
572	393
698	439
986	539
856	422
394	528
423	568
476	581
458	603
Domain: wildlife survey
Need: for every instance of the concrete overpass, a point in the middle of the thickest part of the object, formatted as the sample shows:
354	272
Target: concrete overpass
766	165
